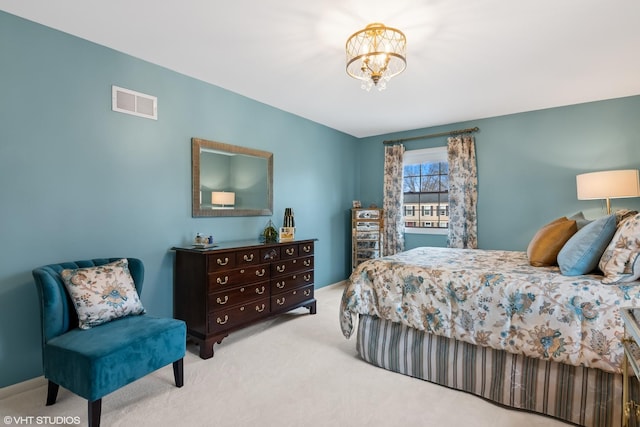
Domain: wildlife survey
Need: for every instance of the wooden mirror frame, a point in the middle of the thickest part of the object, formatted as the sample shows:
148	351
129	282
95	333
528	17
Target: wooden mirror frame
197	145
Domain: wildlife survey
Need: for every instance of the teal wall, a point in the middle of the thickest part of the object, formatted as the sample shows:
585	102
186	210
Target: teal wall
527	165
79	181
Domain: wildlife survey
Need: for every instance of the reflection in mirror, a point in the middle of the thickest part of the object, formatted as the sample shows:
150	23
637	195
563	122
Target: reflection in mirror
229	180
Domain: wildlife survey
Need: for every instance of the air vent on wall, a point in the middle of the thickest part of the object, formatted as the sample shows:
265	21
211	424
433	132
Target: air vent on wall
131	102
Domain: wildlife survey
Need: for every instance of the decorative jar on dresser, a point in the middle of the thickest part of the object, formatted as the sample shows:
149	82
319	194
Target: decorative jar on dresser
229	286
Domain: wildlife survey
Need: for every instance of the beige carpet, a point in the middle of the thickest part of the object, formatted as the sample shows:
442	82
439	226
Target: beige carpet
293	370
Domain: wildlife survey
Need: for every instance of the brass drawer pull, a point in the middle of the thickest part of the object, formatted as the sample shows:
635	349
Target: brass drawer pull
260	291
307	249
280	285
222	322
290	251
225	262
280	302
248	258
307	277
260	273
307	293
221	282
307	262
219	301
280	268
260	310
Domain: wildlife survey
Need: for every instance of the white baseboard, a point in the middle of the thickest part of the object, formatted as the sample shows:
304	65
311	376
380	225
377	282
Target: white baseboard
18	388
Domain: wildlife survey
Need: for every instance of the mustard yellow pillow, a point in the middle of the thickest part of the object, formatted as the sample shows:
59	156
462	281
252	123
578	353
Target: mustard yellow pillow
546	244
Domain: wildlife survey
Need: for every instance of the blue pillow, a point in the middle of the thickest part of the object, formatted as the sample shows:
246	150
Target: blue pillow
582	252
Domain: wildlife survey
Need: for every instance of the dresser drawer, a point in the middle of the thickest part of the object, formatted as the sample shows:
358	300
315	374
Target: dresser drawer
221	261
367	214
289	251
291	281
363	227
248	257
291	297
295	250
234	296
291	266
234	316
270	254
238	276
305	248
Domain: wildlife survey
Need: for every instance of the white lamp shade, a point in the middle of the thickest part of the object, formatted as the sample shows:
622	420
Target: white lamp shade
614	184
223	198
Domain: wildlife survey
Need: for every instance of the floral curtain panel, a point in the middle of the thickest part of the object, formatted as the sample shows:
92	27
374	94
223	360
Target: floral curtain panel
392	203
463	192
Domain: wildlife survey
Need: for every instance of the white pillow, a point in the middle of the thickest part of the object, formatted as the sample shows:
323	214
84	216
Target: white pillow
620	263
102	293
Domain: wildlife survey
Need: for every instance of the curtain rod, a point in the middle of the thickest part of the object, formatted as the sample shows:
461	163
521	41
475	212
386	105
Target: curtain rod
433	135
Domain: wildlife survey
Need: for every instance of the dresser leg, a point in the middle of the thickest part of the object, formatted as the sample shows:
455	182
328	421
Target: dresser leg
206	345
311	307
206	349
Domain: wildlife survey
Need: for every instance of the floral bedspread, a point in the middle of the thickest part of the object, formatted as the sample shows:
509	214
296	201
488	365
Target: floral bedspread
495	299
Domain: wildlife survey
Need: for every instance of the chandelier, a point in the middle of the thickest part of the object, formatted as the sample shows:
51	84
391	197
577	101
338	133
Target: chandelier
376	54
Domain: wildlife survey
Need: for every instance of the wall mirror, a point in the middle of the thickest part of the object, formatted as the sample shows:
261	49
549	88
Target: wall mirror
228	180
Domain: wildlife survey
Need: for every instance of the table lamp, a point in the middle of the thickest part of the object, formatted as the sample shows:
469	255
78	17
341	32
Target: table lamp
223	199
614	184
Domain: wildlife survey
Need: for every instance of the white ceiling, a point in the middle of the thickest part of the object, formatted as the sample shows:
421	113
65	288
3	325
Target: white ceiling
466	59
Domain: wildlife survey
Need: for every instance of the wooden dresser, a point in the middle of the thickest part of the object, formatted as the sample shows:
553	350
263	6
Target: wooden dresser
234	284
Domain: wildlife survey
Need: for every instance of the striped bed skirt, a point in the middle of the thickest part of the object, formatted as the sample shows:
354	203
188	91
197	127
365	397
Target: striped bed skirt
575	394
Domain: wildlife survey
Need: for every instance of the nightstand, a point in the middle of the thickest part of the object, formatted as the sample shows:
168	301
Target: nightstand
631	318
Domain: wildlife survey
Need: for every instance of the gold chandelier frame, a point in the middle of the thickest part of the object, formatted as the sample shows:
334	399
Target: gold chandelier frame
375	54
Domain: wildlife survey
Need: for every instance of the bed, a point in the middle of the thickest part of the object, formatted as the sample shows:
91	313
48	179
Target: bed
488	323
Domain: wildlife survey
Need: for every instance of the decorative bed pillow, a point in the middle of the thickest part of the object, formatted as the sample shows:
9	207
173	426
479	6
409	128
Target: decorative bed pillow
620	263
624	214
102	293
582	252
547	242
580	220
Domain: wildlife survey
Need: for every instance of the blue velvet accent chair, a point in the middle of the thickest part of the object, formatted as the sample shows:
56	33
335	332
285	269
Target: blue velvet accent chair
95	362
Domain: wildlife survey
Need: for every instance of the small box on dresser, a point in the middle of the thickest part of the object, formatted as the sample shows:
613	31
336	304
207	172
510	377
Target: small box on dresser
228	287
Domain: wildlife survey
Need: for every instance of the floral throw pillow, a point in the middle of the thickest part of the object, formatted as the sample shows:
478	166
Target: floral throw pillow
621	262
102	293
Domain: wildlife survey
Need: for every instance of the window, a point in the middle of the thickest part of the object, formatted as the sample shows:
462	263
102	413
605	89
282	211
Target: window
426	191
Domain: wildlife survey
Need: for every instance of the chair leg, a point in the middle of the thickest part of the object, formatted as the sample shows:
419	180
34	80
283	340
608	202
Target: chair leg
95	409
178	372
52	393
